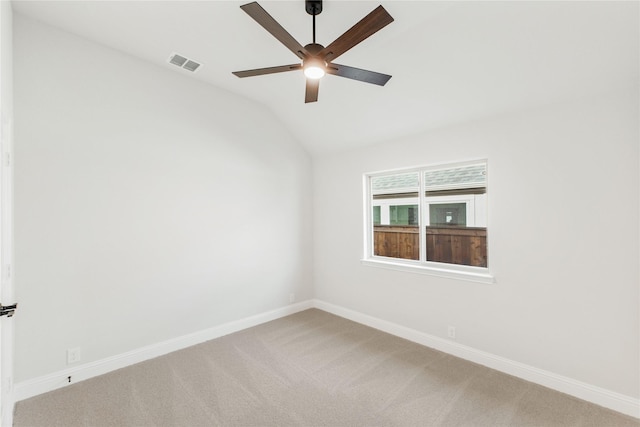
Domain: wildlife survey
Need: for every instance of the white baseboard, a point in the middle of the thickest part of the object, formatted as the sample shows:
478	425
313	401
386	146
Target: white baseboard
25	389
606	398
600	396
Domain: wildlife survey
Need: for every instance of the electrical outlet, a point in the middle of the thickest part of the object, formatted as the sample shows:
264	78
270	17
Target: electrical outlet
292	298
73	355
451	332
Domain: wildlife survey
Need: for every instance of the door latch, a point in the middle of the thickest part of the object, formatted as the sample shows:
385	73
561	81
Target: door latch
8	310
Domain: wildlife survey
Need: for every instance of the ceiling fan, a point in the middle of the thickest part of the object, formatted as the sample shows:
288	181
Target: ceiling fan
317	60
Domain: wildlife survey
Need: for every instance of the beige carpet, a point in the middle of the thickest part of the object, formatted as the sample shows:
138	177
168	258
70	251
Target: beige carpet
309	369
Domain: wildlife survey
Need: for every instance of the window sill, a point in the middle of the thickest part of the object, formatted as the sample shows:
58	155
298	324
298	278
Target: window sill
449	273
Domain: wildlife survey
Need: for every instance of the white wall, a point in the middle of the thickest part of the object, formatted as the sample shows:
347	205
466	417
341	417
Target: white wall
148	205
6	206
563	188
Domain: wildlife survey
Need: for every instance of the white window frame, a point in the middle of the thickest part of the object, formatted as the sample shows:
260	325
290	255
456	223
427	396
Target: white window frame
453	271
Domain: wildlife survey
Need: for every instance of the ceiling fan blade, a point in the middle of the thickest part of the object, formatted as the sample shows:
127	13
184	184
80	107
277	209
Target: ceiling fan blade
261	16
311	93
268	70
358	74
370	24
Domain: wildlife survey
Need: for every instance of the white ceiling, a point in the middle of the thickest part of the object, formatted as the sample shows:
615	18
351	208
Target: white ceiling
451	61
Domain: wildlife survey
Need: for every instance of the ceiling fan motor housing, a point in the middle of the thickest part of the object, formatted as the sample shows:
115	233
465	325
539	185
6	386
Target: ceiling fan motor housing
313	7
313	48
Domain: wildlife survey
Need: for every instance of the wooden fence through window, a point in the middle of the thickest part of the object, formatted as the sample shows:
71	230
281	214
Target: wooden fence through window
396	241
452	245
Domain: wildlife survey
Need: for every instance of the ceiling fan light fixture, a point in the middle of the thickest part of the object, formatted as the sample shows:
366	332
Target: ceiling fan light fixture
314	72
314	68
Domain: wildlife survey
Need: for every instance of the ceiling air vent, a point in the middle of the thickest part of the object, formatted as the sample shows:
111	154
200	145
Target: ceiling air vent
182	62
191	65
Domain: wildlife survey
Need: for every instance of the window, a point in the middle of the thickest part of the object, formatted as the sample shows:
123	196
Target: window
433	218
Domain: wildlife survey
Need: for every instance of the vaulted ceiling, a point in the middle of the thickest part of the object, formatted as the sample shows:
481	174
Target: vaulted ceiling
451	62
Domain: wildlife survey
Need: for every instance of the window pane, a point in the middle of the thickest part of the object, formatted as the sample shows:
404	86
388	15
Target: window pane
376	215
395	202
455	202
455	178
448	214
395	184
404	215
